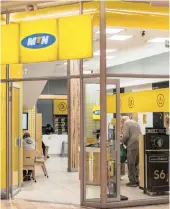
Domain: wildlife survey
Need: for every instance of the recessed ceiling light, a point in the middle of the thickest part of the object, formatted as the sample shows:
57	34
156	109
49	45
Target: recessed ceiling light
112	30
65	63
97	53
158	40
110	57
120	37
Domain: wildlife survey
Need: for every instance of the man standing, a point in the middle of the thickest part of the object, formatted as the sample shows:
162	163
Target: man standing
131	131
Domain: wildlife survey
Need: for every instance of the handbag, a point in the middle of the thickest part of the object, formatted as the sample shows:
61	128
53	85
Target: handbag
123	153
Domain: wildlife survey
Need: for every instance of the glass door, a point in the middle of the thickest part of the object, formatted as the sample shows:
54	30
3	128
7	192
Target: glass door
100	146
16	139
113	139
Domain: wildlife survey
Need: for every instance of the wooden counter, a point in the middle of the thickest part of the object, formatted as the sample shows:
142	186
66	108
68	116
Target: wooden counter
93	166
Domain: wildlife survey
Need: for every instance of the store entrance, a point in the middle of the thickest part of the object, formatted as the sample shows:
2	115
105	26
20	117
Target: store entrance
31	112
103	176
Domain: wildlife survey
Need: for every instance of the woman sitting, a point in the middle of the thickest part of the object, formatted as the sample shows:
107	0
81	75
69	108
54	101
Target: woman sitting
29	144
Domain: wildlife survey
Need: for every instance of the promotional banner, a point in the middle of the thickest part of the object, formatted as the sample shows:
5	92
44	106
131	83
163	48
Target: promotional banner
144	101
75	37
38	41
10	44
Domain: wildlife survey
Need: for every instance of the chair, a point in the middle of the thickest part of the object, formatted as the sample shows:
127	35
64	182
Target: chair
29	161
41	161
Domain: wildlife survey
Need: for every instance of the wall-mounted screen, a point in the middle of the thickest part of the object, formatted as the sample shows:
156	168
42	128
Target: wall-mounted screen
25	121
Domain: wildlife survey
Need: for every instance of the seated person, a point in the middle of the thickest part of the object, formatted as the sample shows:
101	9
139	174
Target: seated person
28	144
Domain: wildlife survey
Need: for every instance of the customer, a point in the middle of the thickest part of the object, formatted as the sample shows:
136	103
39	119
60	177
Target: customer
131	131
29	144
49	130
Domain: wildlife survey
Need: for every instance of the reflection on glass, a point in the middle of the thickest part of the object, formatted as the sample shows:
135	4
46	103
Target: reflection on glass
92	138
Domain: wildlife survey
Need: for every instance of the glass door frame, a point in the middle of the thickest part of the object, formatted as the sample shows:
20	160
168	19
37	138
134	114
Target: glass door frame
103	203
18	140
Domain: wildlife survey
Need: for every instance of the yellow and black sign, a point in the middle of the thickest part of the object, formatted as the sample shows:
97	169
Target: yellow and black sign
60	107
144	101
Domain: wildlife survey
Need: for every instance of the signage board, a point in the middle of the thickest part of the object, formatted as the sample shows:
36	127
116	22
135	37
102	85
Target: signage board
10	44
47	40
75	35
131	102
60	107
144	101
38	41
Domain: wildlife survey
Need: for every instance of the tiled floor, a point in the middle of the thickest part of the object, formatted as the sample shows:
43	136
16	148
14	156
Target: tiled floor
64	187
34	205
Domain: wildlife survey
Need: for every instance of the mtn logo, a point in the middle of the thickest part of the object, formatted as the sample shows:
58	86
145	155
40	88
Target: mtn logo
38	41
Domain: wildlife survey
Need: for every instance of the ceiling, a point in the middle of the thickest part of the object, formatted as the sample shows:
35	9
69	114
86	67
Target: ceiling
15	5
131	49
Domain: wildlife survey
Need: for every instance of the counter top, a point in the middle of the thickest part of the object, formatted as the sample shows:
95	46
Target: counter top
54	142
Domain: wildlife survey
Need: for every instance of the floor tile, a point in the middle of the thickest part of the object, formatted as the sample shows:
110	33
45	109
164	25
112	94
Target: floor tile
63	187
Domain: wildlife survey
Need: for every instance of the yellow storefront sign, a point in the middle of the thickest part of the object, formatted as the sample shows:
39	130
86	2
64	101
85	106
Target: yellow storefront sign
47	40
75	37
38	41
10	44
144	101
60	107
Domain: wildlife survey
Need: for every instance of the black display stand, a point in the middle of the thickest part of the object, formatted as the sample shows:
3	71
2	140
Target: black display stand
156	157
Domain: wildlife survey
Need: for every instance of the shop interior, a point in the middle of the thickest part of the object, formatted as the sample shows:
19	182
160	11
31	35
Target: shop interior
45	102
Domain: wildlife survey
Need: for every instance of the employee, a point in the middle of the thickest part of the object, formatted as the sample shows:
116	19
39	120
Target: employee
48	130
131	131
29	144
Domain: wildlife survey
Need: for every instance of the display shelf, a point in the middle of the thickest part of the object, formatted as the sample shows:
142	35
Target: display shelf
61	124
